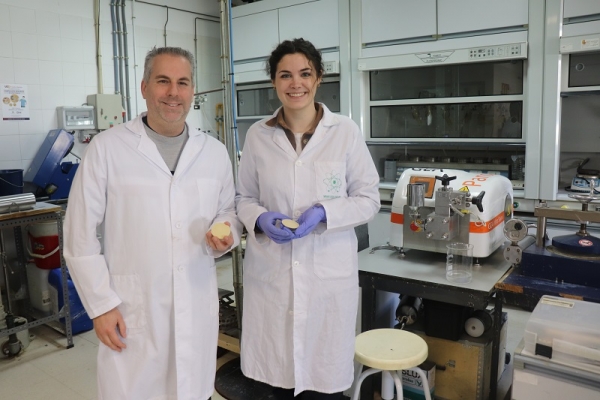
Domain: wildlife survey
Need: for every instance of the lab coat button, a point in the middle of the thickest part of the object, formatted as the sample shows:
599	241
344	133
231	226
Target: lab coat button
297	213
298	163
180	268
296	263
178	225
291	312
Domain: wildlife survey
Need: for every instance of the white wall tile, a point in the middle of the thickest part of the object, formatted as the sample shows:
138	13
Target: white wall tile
88	51
14	164
6	44
71	50
70	27
4	18
48	23
90	75
34	102
33	125
150	16
10	149
27	71
73	74
145	36
88	30
24	46
75	95
7	71
52	97
22	20
210	29
51	73
30	144
40	5
49	48
9	128
49	120
80	8
90	90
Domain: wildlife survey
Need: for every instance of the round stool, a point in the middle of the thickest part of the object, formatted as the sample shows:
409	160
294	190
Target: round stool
388	351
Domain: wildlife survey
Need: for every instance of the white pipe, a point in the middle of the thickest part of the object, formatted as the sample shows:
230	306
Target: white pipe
98	47
120	52
114	40
126	62
229	132
135	66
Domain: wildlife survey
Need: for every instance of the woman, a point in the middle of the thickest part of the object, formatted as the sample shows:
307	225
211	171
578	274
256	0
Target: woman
301	287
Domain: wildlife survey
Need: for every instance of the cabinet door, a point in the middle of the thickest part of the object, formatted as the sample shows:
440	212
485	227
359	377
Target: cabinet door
385	20
579	8
316	22
255	35
474	15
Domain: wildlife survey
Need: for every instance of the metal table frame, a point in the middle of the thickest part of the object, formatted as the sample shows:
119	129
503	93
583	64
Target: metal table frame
41	212
422	274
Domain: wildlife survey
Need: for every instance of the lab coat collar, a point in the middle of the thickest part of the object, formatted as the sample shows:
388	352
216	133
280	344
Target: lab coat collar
147	147
329	119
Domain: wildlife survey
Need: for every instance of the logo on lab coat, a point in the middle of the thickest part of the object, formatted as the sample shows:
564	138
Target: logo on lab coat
333	183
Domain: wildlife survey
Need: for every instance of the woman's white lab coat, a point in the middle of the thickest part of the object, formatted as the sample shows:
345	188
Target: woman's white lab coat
156	267
301	298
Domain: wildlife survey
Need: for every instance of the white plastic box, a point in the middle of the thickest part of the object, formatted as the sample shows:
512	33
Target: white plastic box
565	331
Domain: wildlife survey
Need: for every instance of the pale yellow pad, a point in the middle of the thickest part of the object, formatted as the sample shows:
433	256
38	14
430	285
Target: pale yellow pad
220	230
289	223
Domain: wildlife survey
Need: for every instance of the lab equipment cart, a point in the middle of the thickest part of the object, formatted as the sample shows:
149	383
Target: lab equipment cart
61	320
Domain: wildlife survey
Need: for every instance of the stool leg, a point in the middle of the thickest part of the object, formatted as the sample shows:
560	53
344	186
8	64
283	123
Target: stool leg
425	382
357	371
387	387
397	383
361	378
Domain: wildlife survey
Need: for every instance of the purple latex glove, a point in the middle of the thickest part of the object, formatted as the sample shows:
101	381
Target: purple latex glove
267	221
309	220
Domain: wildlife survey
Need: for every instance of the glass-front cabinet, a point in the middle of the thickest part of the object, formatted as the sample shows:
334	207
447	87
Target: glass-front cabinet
474	102
259	100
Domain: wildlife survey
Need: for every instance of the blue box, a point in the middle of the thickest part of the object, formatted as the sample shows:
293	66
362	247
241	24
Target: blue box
80	322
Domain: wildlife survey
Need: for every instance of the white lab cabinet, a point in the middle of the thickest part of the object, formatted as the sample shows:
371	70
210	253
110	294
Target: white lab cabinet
580	8
255	35
402	20
323	29
257	29
475	15
387	20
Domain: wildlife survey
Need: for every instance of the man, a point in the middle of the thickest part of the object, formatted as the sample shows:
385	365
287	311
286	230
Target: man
158	186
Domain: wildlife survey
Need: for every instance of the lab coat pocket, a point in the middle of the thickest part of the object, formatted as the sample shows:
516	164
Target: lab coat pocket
333	256
330	179
129	290
208	196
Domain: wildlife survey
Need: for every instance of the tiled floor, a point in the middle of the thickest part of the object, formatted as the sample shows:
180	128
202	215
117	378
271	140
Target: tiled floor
47	371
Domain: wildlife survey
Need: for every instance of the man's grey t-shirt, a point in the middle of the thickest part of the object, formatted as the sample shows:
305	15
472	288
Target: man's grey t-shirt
169	147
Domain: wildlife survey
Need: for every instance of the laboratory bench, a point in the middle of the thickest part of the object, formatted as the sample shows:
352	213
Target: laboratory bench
423	274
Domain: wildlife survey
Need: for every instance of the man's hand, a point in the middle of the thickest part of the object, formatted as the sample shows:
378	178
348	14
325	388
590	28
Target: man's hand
219	244
108	327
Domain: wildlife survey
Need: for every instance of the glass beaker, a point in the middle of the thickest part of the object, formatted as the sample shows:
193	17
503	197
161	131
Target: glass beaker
459	262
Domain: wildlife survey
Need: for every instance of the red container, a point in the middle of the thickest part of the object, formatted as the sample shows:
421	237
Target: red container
44	245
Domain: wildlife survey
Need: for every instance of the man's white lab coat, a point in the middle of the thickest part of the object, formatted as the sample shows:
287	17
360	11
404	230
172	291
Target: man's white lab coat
156	267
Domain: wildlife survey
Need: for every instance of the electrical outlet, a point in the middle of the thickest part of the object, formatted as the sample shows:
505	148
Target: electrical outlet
331	67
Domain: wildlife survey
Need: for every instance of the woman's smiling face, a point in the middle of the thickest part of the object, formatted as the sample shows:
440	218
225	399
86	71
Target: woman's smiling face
296	82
